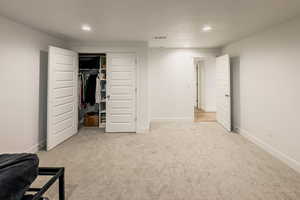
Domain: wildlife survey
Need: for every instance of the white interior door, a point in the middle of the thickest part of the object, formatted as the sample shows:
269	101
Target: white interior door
62	120
223	91
121	93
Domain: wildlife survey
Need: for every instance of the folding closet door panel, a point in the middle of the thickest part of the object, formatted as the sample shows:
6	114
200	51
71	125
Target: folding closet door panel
121	93
62	114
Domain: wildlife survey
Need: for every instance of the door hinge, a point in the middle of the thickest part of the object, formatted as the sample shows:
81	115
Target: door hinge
135	90
135	119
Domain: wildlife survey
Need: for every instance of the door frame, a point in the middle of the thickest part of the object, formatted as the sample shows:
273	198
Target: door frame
199	85
200	73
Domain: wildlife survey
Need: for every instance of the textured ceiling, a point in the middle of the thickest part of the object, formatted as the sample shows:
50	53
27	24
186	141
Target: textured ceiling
140	20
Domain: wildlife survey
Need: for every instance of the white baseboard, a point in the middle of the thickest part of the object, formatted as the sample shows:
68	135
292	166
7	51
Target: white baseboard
277	154
35	148
32	149
174	119
210	111
142	130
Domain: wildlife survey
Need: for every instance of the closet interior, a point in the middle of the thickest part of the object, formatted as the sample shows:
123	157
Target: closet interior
92	90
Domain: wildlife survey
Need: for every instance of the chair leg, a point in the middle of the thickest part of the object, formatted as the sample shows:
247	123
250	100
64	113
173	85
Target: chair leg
62	187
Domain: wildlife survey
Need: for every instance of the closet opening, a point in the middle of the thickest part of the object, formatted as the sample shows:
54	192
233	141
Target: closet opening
92	90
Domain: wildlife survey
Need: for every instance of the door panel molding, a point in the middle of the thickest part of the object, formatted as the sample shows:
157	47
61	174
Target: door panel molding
121	92
62	105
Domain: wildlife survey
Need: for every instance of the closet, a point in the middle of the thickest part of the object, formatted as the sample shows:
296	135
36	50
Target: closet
92	90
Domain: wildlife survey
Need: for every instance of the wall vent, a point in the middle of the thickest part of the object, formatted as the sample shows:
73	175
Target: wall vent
161	37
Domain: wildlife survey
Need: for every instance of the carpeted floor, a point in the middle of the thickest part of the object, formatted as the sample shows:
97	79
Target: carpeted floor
175	161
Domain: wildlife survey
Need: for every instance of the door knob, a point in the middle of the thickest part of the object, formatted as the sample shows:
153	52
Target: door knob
227	95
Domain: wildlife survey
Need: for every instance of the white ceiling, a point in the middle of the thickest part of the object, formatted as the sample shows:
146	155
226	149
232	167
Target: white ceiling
141	20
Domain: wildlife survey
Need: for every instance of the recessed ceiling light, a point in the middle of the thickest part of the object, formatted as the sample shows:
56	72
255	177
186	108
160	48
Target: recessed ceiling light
206	28
86	28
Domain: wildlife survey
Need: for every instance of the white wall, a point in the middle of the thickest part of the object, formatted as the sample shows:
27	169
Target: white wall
266	89
22	52
141	49
172	82
202	85
209	85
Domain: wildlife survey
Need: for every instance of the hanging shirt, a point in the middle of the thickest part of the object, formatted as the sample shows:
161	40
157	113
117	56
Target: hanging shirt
90	91
98	90
79	91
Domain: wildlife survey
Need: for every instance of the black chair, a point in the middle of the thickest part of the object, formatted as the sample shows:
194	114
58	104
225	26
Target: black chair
56	174
18	172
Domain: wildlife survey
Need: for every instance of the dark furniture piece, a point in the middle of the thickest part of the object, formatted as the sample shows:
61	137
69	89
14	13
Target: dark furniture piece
56	174
18	172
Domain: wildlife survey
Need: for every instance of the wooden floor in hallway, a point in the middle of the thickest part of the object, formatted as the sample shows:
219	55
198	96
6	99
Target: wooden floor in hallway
202	116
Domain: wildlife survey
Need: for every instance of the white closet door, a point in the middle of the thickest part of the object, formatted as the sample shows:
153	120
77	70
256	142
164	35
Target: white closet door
223	91
121	93
62	114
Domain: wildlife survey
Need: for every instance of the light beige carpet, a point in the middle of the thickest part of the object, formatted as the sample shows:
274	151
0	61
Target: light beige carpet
175	161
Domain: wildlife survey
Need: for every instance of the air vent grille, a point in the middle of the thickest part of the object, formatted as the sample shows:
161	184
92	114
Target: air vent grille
162	37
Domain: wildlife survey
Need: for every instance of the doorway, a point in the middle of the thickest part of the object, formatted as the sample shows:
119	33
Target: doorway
202	116
204	108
